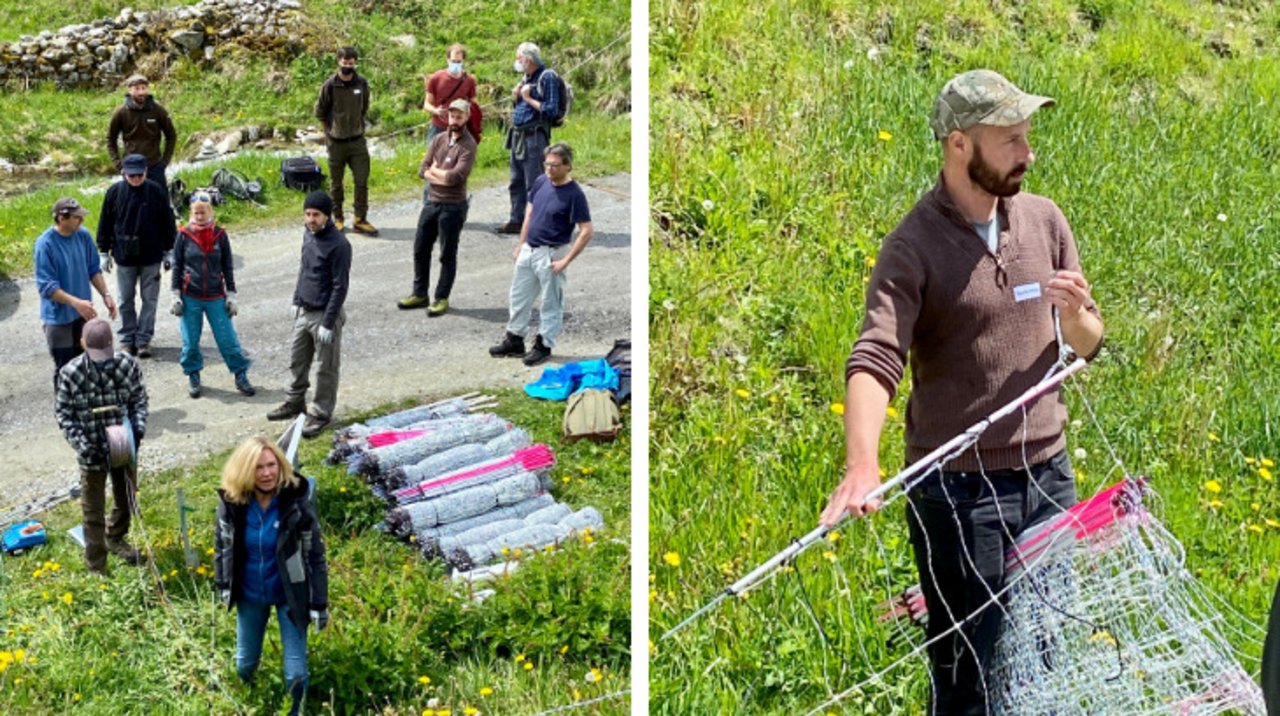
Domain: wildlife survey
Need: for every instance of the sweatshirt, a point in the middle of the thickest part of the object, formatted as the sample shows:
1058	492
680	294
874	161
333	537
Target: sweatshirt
456	160
324	273
141	127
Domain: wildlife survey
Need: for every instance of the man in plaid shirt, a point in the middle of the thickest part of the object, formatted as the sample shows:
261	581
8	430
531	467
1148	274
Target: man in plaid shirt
97	389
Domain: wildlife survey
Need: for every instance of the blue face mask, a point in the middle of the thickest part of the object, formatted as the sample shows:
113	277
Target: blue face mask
455	68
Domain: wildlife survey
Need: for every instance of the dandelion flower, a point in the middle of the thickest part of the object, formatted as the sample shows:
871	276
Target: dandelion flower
593	676
1213	438
837	408
891	411
424	680
1255	528
833	536
1213	486
708	205
884	136
1222	218
577	695
1265	473
873	54
519	658
66	597
1216	504
1249	461
564	649
829	556
486	691
470	711
1266	462
1256	506
743	393
528	666
671	558
848	64
1080	453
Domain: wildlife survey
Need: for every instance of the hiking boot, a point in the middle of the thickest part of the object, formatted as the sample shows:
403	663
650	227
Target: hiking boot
124	550
409	302
511	227
243	385
193	384
314	425
287	411
362	226
438	308
538	353
511	346
130	349
144	350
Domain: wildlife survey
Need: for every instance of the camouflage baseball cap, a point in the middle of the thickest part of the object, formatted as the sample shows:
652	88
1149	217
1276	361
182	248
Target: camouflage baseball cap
981	97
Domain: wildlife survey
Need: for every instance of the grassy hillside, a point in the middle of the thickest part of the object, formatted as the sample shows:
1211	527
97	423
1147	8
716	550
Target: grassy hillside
404	639
788	139
589	42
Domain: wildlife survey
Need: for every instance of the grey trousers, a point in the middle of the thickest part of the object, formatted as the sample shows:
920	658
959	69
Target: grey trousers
531	280
137	326
305	344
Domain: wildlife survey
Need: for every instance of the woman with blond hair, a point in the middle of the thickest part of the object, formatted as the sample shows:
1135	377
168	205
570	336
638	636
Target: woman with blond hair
268	552
204	286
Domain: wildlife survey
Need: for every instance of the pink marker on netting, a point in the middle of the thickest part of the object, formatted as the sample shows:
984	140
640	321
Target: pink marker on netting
535	457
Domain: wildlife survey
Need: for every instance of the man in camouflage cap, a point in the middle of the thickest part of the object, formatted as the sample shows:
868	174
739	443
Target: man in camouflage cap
962	291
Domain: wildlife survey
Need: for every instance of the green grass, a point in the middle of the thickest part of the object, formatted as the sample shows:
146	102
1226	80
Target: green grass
155	643
771	188
276	93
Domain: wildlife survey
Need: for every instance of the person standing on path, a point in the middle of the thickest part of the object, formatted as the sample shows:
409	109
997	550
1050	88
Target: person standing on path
145	128
965	290
536	97
135	232
98	390
67	264
269	553
445	168
324	275
343	107
204	286
556	205
445	86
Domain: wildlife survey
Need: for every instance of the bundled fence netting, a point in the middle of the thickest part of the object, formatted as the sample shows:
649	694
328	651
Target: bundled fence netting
429	538
455	458
357	438
1098	613
536	458
473	501
470	429
529	535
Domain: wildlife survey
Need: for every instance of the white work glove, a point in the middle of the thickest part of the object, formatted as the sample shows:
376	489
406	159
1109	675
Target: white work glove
325	336
232	308
225	596
320	618
107	262
176	308
167	260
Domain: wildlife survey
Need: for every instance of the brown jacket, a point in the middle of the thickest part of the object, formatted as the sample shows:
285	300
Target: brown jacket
977	327
456	160
142	128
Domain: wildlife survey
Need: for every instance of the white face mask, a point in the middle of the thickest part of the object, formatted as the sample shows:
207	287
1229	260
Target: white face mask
455	68
519	66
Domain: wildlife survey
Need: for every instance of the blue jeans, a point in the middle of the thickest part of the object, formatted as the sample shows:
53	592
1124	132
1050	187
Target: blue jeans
432	131
137	326
251	629
194	310
524	171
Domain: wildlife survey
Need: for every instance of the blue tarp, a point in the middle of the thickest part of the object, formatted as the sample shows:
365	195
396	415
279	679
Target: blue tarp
558	383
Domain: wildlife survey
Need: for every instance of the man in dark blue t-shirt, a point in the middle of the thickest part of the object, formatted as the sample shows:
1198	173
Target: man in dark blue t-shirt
546	248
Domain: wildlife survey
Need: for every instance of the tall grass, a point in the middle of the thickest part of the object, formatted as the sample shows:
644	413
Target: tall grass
788	139
402	635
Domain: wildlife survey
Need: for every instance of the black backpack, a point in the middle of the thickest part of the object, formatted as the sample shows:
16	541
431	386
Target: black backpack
566	98
301	173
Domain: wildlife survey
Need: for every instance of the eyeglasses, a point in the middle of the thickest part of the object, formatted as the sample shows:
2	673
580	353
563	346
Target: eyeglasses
549	165
200	196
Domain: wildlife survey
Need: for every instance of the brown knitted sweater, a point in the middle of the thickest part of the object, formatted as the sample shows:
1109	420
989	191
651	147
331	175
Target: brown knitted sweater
939	296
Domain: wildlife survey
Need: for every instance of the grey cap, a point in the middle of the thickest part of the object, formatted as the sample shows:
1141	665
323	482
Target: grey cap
97	339
136	79
981	97
67	206
461	105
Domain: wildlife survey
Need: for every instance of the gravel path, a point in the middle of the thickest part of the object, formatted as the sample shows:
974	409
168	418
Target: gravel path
388	354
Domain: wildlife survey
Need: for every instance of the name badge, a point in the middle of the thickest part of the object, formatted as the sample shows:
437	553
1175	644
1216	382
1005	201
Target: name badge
1026	292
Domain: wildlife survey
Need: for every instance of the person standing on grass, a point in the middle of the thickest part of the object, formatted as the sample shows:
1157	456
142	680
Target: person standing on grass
204	286
536	96
324	276
67	264
145	128
445	168
445	86
98	389
556	205
963	290
269	554
343	107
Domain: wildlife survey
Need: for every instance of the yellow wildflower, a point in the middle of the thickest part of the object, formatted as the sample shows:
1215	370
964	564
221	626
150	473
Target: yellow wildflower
833	536
66	597
1265	473
1213	486
1272	523
486	691
884	136
672	559
1216	504
519	658
653	595
1249	461
1267	462
743	393
470	711
837	408
891	411
424	680
564	649
1255	528
1213	438
1256	506
829	556
528	666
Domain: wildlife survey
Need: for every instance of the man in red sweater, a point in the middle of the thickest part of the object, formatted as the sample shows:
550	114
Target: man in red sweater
962	290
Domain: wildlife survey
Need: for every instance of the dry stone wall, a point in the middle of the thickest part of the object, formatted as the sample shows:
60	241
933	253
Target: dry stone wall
104	52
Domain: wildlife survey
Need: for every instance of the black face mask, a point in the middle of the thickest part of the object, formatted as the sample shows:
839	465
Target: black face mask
346	71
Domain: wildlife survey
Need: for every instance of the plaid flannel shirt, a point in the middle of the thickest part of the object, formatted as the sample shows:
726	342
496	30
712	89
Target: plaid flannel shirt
84	385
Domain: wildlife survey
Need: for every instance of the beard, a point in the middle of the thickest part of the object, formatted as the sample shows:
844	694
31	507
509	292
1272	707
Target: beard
981	173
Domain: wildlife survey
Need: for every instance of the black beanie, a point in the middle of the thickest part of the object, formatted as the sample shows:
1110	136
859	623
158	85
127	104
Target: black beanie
320	201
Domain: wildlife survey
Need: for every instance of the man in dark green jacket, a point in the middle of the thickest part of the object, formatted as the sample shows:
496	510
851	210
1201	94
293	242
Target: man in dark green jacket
342	107
141	122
